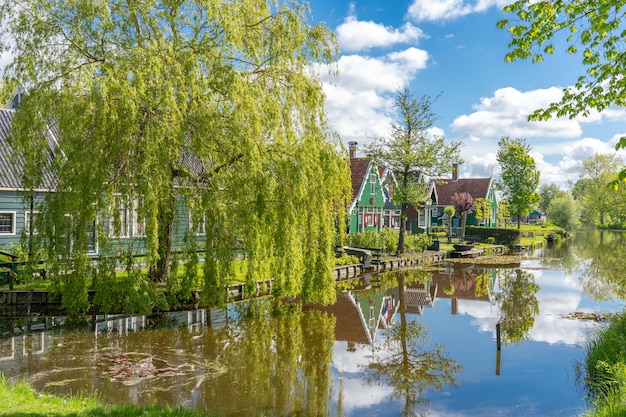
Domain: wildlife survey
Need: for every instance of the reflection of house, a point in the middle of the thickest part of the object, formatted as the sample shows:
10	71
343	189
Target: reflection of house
464	283
358	316
483	188
417	296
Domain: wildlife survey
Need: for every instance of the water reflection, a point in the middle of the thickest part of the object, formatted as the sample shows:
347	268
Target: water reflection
413	343
603	263
405	361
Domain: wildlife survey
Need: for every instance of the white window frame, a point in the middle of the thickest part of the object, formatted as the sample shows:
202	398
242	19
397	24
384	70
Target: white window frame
197	229
373	185
28	221
13	216
138	226
129	218
121	206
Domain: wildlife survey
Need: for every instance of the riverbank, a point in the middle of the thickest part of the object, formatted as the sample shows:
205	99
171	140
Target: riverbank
20	400
604	369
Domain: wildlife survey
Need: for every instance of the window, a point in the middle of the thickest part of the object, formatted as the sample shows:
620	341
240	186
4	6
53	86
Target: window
120	223
197	224
373	184
386	219
139	224
7	223
125	221
30	220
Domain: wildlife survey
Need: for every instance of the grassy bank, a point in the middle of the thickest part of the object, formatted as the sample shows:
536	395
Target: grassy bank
604	369
20	400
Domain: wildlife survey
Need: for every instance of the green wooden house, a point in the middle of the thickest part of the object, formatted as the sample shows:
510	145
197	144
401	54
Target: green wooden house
368	197
18	213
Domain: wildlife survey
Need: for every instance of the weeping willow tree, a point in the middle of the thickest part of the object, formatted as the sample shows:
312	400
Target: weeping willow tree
213	104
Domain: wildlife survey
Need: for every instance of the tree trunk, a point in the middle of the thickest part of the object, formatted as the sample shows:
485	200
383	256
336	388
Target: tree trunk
402	229
463	220
159	272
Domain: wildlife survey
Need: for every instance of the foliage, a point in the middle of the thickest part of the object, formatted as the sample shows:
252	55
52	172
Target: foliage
449	211
483	209
564	212
593	31
158	104
604	369
412	153
346	259
367	239
548	192
417	242
519	178
464	204
598	204
500	236
504	214
387	240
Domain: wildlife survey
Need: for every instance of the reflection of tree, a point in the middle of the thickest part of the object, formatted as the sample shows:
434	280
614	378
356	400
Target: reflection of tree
518	303
403	362
603	265
561	256
283	356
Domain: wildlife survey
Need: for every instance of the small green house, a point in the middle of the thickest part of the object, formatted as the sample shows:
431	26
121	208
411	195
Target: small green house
478	188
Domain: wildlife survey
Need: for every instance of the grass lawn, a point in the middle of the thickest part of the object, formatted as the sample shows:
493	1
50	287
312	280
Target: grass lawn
20	400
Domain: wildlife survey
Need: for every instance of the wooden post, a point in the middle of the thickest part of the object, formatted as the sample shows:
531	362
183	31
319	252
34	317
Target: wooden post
498	349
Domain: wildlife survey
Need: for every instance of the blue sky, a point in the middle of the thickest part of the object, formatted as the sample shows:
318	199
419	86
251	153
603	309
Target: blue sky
453	47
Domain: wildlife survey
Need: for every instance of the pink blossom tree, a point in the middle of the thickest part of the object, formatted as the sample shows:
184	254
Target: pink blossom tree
464	204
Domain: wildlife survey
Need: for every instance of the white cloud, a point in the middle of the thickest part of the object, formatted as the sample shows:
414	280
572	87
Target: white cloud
359	100
355	35
506	114
449	9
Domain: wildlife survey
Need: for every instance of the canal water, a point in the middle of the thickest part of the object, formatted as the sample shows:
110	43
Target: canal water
457	340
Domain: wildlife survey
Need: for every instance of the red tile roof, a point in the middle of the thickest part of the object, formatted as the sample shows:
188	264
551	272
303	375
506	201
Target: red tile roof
358	169
476	187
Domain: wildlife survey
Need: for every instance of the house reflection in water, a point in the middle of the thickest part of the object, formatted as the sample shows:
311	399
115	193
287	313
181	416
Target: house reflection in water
360	313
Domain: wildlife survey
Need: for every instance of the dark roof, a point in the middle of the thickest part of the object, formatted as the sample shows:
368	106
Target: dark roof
11	168
358	169
349	326
476	187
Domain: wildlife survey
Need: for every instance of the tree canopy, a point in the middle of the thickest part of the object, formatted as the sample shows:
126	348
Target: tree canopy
212	103
519	177
592	29
590	191
464	204
564	212
412	153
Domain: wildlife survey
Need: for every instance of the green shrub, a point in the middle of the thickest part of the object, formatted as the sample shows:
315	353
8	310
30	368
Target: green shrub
346	259
416	243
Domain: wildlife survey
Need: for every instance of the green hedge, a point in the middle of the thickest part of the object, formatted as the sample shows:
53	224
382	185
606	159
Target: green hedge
501	236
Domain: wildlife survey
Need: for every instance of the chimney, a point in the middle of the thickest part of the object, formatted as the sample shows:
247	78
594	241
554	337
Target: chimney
455	171
352	149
